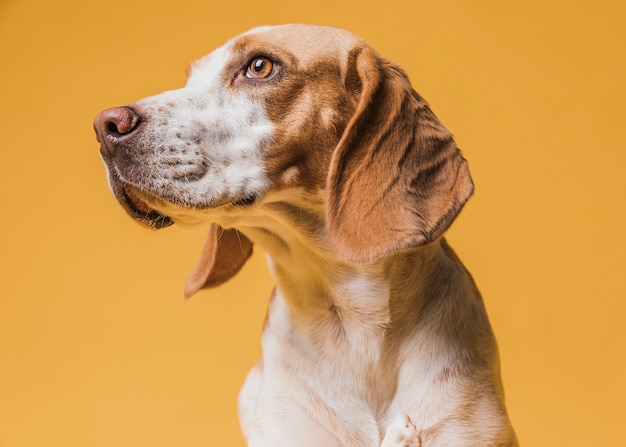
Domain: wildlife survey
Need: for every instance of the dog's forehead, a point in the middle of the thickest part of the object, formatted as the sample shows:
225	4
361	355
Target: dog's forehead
306	44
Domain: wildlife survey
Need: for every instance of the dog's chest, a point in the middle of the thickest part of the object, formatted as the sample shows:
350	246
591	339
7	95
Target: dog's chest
334	329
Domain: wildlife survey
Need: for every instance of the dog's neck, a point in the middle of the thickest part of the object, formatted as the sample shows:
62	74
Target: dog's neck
348	319
313	279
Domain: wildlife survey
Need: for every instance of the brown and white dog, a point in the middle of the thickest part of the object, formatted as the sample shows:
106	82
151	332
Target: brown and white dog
305	141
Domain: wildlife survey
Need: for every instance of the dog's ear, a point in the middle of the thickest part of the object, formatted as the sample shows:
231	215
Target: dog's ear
224	252
396	179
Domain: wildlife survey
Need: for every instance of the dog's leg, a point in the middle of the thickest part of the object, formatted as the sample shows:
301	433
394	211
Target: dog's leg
402	433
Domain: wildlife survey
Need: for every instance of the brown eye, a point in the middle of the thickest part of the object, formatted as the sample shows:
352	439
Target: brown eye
260	68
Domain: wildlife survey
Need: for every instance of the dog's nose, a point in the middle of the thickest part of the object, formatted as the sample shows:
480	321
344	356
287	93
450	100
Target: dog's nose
113	126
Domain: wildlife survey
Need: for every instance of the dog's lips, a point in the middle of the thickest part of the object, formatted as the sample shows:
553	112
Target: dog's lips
140	203
136	202
141	211
136	207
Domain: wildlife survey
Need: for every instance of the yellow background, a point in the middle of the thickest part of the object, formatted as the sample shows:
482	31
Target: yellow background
97	345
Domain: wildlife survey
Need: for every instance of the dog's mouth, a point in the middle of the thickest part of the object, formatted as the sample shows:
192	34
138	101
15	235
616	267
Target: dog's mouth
136	207
142	212
135	200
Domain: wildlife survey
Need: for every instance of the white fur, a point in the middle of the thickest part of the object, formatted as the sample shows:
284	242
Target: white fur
210	143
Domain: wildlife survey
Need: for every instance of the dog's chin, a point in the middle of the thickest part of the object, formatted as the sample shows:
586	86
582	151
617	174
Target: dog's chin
155	212
142	212
137	208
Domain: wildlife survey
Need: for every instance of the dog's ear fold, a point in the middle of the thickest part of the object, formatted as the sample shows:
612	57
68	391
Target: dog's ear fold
396	179
224	252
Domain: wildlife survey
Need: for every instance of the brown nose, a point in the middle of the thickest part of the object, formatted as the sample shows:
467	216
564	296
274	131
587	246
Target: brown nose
113	126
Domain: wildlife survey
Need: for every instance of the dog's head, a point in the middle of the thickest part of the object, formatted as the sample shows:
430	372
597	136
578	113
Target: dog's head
279	108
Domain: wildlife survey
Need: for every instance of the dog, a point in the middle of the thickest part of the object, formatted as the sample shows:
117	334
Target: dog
305	141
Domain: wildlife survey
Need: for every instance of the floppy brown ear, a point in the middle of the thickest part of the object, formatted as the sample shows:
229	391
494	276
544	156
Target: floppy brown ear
397	179
224	252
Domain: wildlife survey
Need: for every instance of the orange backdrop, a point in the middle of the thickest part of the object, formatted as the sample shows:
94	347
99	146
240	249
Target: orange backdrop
97	345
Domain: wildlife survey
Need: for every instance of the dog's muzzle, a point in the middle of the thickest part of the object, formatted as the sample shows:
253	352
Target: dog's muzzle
114	128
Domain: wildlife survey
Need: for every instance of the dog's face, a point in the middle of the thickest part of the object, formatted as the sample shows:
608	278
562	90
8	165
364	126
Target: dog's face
310	110
262	113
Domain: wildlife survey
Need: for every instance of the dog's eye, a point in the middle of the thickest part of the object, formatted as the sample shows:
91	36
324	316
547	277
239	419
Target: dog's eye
260	68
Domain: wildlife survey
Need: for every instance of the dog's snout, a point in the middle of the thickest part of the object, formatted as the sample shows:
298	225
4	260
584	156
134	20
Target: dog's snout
112	126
